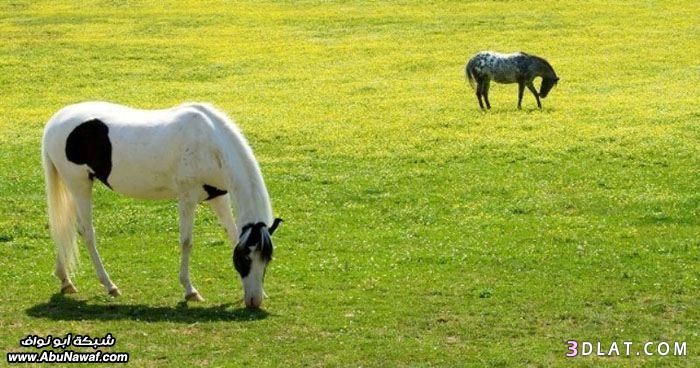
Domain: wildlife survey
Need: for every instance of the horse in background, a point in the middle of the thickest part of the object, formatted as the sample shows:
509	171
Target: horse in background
192	153
518	68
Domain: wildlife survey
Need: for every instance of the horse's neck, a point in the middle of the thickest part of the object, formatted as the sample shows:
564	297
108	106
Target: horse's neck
543	69
252	205
547	74
247	184
245	179
241	170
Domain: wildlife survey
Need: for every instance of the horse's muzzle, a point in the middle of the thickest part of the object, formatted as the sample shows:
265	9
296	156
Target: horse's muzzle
253	302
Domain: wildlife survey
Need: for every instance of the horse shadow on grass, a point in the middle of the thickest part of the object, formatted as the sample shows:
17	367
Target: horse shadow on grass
62	308
525	110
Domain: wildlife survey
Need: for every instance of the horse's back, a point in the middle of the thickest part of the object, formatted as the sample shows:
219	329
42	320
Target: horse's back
110	113
500	67
122	125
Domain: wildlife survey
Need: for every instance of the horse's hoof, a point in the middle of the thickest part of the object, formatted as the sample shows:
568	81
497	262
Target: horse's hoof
115	292
194	297
69	289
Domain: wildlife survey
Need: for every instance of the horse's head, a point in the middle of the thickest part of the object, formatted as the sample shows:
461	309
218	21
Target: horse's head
547	84
250	258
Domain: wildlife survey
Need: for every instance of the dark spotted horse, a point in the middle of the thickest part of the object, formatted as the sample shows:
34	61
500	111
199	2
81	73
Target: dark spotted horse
521	68
191	153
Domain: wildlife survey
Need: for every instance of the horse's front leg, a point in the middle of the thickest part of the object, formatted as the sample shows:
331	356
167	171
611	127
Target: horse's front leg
532	89
222	206
186	208
83	201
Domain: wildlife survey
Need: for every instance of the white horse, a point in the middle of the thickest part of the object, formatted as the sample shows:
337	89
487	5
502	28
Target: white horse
191	153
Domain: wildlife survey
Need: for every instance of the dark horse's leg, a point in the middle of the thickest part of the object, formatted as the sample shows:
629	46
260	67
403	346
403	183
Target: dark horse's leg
534	92
485	92
479	87
521	89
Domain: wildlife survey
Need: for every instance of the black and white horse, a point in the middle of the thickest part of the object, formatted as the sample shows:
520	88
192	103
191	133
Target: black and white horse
191	153
518	68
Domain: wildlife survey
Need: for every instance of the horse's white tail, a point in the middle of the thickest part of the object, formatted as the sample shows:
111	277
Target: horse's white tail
62	216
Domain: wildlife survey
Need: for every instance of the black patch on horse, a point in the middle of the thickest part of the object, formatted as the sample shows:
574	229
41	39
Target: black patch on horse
213	192
241	260
88	144
259	237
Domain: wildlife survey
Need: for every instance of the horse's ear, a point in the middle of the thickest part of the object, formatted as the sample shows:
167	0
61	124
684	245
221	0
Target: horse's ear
265	245
274	225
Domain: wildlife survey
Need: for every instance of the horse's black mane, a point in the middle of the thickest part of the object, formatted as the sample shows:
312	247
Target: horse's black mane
258	225
252	225
543	60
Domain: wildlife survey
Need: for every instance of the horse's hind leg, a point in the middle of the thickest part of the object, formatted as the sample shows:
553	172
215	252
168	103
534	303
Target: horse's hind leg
61	272
534	92
186	207
479	94
222	206
485	92
521	89
83	203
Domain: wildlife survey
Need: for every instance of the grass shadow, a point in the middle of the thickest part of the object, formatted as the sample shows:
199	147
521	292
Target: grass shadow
62	308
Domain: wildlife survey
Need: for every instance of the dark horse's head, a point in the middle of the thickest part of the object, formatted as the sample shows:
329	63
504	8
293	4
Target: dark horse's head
547	84
549	77
250	258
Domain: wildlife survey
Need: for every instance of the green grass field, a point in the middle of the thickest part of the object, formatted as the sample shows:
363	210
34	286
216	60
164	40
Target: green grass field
419	231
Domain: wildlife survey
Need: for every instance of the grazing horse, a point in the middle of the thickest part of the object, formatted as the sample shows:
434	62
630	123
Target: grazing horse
191	153
518	68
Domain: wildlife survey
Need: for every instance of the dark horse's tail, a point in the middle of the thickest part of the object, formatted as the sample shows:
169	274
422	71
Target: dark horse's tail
469	72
